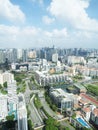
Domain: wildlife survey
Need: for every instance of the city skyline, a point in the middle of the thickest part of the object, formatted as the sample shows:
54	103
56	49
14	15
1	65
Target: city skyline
40	23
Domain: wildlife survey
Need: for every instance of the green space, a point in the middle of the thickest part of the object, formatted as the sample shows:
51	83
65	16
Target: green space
3	88
30	125
19	76
71	88
92	88
49	101
52	124
5	84
30	85
28	112
31	95
59	84
4	91
33	81
37	102
22	87
10	118
76	78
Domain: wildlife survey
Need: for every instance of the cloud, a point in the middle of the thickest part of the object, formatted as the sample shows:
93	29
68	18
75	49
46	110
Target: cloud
55	33
12	36
11	12
47	20
29	36
73	12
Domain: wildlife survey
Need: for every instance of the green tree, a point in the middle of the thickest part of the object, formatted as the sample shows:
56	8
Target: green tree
10	118
30	125
5	84
18	79
51	124
0	86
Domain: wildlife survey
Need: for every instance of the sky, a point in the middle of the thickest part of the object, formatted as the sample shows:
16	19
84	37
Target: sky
44	23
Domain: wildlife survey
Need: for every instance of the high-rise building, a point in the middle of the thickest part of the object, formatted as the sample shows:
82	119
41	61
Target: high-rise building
12	93
25	55
3	107
6	77
32	54
19	54
2	56
11	55
22	113
55	57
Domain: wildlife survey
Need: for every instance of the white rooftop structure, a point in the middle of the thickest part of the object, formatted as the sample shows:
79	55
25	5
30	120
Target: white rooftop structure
3	107
12	94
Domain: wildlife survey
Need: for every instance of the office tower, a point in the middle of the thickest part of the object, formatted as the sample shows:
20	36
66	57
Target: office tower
25	55
55	57
11	55
19	54
2	58
32	54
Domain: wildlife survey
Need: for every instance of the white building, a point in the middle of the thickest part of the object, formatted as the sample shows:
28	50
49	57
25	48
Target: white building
12	93
63	100
3	107
19	53
86	111
32	54
94	116
43	78
76	60
6	77
22	113
55	57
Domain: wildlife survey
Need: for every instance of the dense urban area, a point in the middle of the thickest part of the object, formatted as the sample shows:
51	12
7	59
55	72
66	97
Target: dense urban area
49	89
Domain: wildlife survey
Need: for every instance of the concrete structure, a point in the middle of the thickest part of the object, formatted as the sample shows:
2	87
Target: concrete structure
6	77
55	57
32	54
19	54
22	113
63	100
86	111
43	78
12	94
94	116
76	60
3	107
80	88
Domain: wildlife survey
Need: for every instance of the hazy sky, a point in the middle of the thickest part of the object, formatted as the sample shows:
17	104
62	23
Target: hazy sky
38	23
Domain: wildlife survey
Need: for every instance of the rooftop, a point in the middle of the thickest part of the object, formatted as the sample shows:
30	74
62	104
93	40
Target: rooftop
86	109
95	111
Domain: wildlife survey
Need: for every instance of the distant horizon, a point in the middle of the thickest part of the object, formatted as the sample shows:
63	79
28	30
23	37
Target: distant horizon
51	47
38	23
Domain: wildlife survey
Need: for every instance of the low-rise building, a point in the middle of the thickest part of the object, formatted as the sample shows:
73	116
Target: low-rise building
94	116
86	111
80	88
63	100
43	78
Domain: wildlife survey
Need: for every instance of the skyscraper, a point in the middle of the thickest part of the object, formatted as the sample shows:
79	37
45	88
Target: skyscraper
22	113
